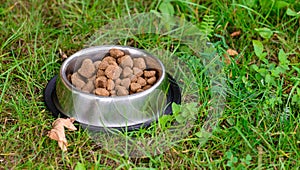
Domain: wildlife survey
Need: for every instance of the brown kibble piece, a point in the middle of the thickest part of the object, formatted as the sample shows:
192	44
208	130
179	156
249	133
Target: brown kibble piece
100	73
141	81
93	78
77	80
131	92
139	63
113	72
133	78
150	73
118	81
113	92
101	92
96	64
125	61
139	90
103	65
116	53
109	59
138	72
147	87
126	83
87	68
151	80
127	71
110	84
135	86
121	91
101	82
113	63
88	87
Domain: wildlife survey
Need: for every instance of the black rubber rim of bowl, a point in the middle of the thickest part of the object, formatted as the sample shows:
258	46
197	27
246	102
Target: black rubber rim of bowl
51	102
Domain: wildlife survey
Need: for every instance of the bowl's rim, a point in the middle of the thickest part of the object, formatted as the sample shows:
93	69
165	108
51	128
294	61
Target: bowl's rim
79	53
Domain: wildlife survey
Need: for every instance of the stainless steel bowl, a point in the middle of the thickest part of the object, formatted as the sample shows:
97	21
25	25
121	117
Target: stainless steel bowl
118	111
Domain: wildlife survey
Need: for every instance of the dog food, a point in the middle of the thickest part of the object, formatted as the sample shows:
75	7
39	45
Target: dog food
117	74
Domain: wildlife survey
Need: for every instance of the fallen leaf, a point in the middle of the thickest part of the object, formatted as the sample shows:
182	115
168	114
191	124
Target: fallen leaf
58	132
236	33
232	52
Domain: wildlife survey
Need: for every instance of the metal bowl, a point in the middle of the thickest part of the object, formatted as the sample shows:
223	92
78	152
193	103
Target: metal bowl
117	111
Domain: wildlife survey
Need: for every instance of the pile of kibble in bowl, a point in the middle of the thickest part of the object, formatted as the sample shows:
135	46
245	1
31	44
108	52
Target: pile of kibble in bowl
117	74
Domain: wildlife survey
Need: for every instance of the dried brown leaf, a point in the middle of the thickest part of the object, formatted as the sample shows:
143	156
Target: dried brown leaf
58	132
232	52
236	33
227	59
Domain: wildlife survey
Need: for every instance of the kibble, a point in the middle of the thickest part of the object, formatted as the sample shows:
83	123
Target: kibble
110	84
88	87
96	64
139	63
103	65
142	81
125	61
116	53
77	81
117	74
121	91
127	71
149	73
151	80
101	92
101	82
109	59
138	72
135	86
113	72
126	83
87	68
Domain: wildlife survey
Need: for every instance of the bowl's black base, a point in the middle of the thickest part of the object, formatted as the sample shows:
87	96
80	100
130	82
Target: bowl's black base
50	98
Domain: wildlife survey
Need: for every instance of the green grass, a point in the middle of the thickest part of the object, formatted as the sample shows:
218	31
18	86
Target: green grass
259	128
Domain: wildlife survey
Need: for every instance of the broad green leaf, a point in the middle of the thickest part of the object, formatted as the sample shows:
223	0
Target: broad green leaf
167	8
248	157
164	121
176	108
268	78
277	71
266	33
292	13
258	50
199	134
180	118
229	155
254	67
296	99
262	71
80	166
235	160
281	4
282	56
